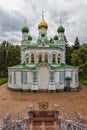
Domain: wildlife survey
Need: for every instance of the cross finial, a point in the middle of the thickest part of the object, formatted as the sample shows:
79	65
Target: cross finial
56	32
60	21
42	15
25	22
28	33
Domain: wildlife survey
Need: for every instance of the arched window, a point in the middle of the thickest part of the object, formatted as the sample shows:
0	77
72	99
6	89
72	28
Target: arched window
27	60
40	58
58	60
53	58
32	58
46	57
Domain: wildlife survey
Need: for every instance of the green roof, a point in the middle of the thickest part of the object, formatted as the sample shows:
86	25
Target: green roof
25	29
29	37
52	67
65	66
21	66
56	37
60	29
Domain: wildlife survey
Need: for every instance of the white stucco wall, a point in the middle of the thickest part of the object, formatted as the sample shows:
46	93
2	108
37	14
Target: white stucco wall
57	85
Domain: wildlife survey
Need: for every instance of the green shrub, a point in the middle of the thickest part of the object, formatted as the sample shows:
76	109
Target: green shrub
3	80
83	80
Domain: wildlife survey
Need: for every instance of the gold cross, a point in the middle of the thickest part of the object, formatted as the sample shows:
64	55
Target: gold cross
42	15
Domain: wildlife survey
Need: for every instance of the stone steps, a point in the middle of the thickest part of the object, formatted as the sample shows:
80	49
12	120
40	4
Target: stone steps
43	126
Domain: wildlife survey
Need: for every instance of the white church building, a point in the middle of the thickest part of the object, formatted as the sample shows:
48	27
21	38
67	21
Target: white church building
43	64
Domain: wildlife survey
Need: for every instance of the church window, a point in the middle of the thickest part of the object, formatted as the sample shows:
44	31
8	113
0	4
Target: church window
14	77
61	76
34	76
46	57
24	77
53	58
51	76
27	60
40	58
58	60
32	58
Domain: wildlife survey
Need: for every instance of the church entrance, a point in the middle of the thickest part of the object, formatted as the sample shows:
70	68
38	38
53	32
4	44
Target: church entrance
43	77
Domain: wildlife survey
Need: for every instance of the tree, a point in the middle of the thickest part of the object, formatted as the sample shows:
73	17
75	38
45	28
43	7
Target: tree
3	58
76	44
10	55
65	39
68	53
13	55
79	58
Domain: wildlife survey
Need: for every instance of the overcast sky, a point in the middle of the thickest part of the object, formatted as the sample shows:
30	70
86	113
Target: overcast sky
72	12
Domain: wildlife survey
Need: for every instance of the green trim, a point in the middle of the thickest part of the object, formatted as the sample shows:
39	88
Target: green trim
65	66
22	66
52	66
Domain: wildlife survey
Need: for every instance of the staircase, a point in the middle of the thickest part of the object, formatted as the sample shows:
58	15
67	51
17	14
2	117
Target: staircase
43	125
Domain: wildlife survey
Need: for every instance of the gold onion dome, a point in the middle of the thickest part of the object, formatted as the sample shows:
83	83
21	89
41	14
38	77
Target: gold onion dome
43	23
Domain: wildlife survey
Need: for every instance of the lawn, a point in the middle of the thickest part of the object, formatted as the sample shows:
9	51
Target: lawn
3	80
83	80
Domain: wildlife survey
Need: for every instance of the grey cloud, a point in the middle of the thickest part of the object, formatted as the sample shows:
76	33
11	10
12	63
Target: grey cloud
73	14
10	20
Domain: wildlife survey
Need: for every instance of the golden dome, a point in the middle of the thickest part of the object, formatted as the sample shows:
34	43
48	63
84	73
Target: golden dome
42	24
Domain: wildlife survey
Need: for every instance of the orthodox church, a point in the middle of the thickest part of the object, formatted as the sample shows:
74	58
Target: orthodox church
43	64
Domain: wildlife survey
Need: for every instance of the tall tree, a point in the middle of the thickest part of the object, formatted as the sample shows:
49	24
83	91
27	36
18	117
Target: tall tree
13	55
10	55
68	53
76	44
3	58
79	58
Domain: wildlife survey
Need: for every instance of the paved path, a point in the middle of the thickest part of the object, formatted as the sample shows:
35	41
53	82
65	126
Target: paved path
4	85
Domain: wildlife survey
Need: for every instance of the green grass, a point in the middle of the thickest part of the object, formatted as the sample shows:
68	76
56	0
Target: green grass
83	80
3	80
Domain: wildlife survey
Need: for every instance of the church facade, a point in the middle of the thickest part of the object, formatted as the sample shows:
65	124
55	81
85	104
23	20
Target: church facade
43	64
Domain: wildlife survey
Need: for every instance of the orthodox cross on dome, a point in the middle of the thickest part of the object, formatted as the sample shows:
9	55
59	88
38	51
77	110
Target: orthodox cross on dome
28	33
42	15
60	22
25	22
56	32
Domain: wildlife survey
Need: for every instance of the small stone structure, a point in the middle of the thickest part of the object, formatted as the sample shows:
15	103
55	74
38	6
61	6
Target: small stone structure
44	116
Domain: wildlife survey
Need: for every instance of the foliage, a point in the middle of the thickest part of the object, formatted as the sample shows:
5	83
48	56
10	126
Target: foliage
68	78
76	44
83	81
9	55
3	80
68	53
77	55
79	58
